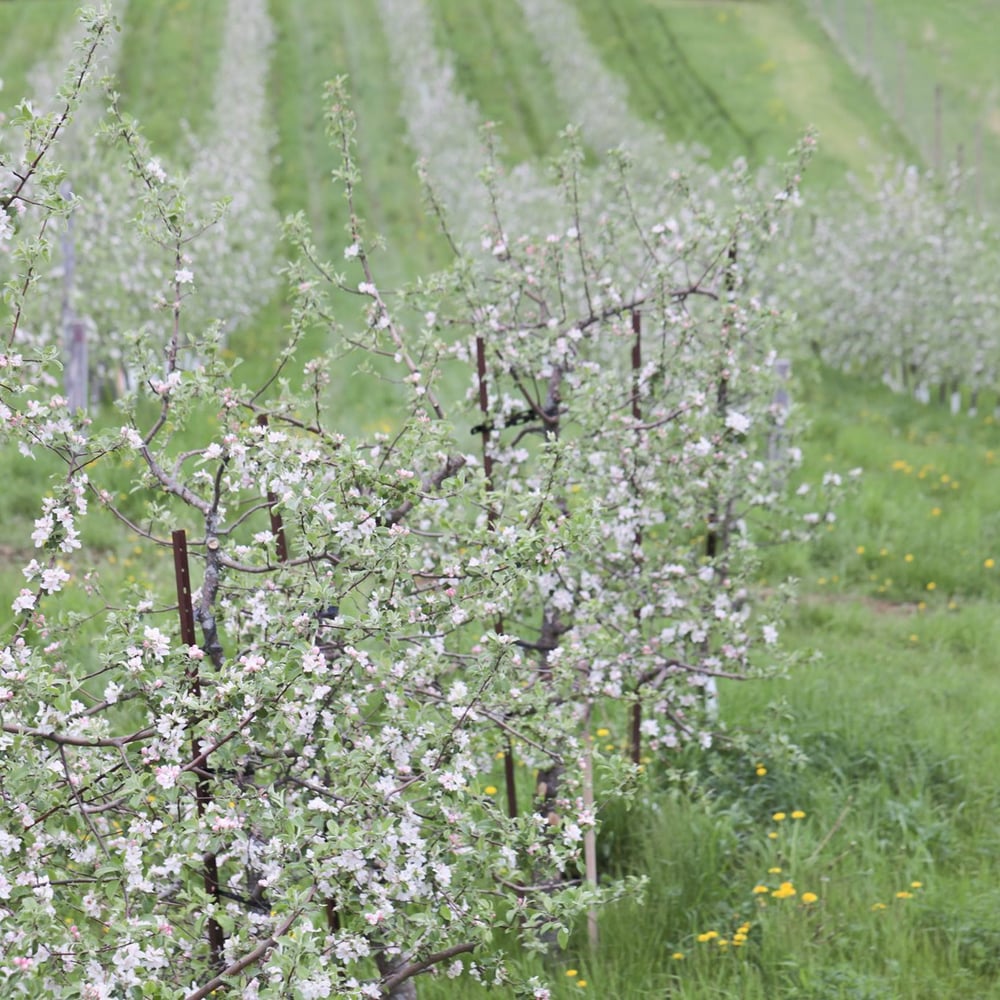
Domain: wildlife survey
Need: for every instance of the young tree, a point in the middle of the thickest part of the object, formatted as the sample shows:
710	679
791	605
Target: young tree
276	772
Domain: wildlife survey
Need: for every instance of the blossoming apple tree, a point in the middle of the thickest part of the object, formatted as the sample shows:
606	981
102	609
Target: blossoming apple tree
269	770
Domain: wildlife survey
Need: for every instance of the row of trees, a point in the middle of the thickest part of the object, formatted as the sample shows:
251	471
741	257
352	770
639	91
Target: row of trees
274	773
901	285
111	275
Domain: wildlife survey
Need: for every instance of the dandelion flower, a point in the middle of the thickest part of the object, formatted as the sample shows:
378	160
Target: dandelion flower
989	563
602	732
678	956
758	889
916	885
908	557
904	895
761	770
778	817
490	789
878	906
932	585
798	814
572	972
809	897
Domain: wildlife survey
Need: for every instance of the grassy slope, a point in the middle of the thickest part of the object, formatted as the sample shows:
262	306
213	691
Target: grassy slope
743	79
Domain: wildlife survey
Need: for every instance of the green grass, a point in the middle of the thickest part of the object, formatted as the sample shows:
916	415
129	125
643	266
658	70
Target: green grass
170	81
497	65
743	79
26	31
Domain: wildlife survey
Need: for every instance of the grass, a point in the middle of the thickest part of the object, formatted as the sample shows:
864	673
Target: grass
497	66
26	31
886	741
778	76
167	83
912	48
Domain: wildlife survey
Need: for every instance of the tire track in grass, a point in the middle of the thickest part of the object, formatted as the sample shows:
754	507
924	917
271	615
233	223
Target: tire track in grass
675	94
495	58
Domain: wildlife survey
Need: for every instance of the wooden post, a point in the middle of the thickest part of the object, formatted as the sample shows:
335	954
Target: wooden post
590	836
486	430
74	332
185	611
635	735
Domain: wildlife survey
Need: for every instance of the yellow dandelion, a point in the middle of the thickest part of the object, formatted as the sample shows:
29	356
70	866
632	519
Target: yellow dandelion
878	906
572	972
904	895
860	550
798	814
784	891
916	885
581	983
678	956
935	511
908	557
932	585
773	835
602	732
759	889
778	817
490	789
774	871
989	563
809	897
761	770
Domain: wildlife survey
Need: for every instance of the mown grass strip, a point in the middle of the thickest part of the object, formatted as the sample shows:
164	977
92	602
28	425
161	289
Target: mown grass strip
638	40
498	66
27	32
168	63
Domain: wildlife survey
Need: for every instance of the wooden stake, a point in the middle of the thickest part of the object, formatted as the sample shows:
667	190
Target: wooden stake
185	610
